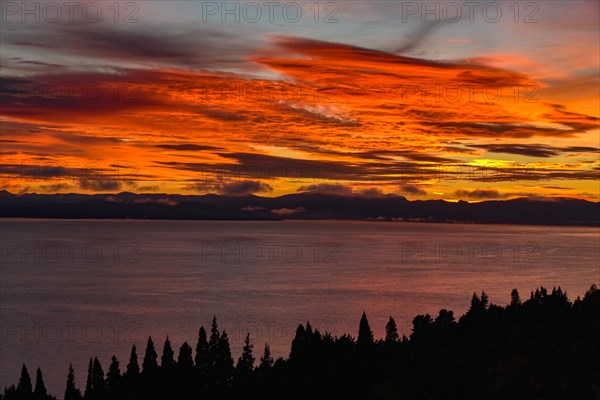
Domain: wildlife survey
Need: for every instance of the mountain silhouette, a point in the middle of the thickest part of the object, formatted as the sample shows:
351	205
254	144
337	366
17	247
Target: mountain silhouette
303	206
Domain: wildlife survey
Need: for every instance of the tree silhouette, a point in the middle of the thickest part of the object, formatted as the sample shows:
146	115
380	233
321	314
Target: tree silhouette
391	332
477	309
502	356
71	391
98	383
40	391
560	296
202	359
24	387
113	376
365	334
308	331
245	364
515	299
223	363
213	343
133	367
149	364
89	383
484	300
266	361
444	319
184	359
422	326
10	393
590	293
539	295
167	360
298	342
475	303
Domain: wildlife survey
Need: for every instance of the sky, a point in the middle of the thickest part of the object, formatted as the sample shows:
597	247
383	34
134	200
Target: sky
429	100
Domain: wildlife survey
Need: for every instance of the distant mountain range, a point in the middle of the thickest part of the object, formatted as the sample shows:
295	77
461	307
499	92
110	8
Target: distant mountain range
305	206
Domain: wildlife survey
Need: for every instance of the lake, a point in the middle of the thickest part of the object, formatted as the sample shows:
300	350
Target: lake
72	289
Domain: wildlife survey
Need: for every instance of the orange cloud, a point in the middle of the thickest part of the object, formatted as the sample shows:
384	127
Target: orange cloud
368	115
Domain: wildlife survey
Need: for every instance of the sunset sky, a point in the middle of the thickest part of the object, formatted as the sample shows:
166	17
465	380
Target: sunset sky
356	98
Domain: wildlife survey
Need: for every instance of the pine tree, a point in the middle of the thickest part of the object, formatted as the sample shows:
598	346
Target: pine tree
184	359
202	360
484	301
10	393
133	368
113	376
224	362
40	391
515	299
149	364
309	330
98	383
245	364
24	387
477	309
167	360
365	334
475	303
391	332
70	389
89	383
298	343
213	343
266	361
71	392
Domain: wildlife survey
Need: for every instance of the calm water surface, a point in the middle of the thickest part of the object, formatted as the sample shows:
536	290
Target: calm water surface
75	289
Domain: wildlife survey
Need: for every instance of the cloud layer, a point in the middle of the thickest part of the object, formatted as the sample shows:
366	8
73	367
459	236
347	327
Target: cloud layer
210	109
